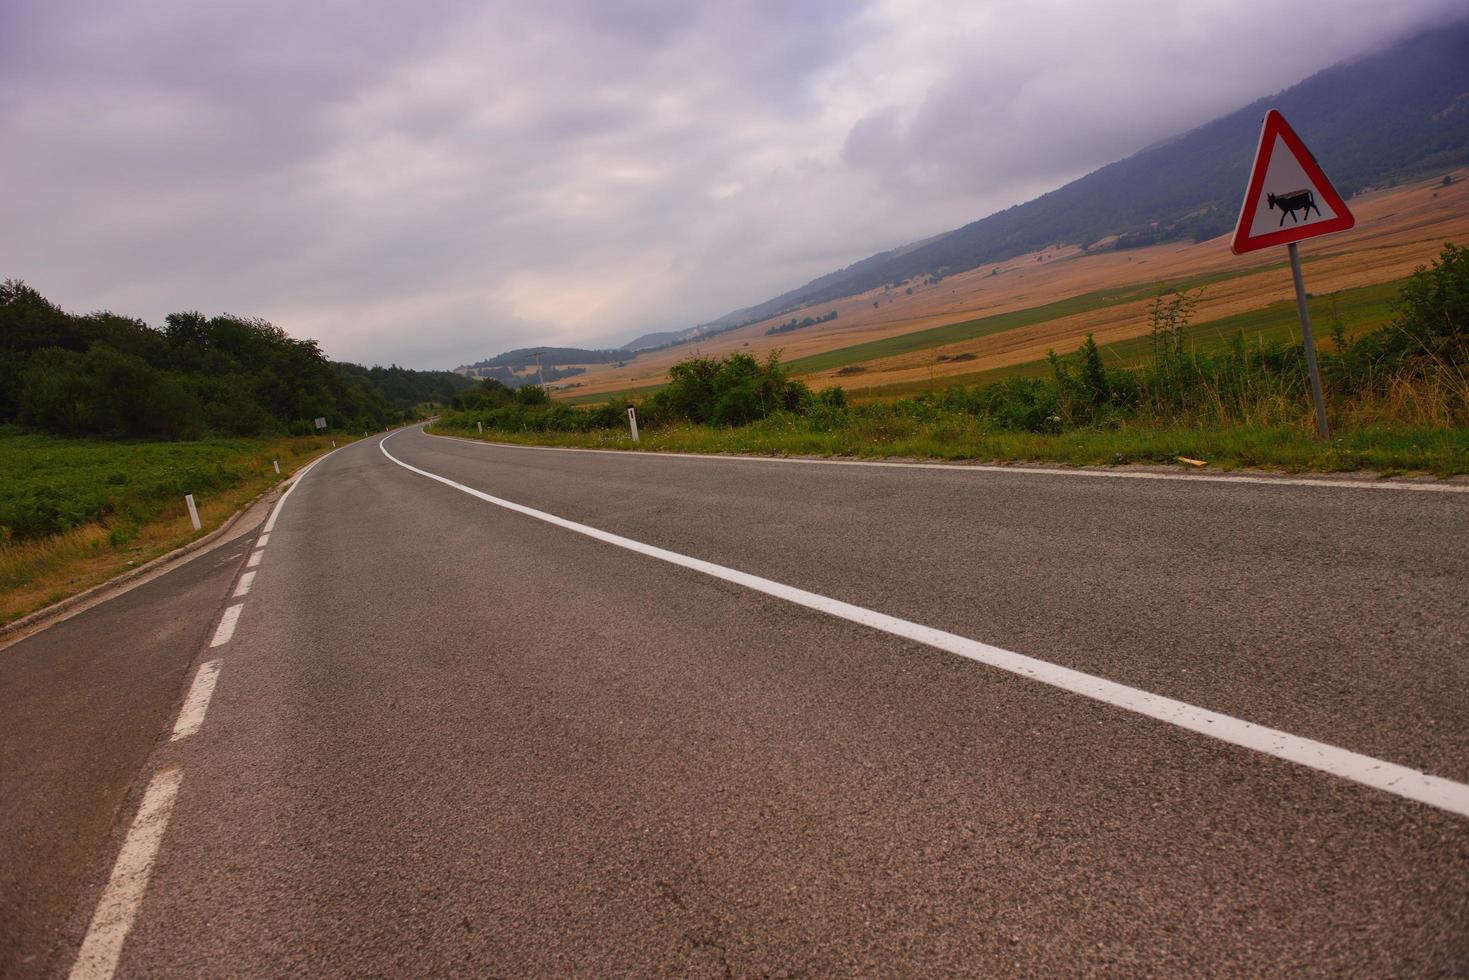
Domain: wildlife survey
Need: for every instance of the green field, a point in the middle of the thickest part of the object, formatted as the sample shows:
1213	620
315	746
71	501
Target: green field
50	485
1360	310
951	333
76	512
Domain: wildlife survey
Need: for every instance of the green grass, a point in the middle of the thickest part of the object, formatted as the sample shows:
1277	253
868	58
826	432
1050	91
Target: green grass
78	512
1388	450
951	333
632	394
50	485
1361	309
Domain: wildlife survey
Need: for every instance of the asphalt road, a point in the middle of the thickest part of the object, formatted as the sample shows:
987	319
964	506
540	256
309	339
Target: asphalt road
448	738
82	704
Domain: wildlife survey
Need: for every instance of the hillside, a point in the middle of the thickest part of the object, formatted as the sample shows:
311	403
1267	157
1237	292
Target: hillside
1391	114
530	365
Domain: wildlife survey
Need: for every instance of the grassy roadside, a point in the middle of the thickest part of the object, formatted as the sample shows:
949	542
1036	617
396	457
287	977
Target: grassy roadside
79	512
1391	450
1359	310
949	333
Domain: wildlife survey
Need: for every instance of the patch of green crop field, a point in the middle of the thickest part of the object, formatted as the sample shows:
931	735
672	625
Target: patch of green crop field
597	398
1360	310
951	333
49	485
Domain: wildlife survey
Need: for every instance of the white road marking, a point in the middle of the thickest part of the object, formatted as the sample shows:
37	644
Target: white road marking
1326	483
295	482
243	588
226	627
191	715
1377	773
264	540
124	892
255	557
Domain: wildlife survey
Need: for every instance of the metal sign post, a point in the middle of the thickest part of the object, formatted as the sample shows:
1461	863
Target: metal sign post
1286	183
1310	342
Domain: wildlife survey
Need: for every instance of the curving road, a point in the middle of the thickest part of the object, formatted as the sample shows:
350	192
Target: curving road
493	710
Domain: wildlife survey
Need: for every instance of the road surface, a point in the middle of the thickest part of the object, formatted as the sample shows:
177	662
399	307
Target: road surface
687	716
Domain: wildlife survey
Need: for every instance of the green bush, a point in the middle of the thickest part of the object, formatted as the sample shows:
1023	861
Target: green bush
735	390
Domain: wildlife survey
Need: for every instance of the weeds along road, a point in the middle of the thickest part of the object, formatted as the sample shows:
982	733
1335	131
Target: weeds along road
450	737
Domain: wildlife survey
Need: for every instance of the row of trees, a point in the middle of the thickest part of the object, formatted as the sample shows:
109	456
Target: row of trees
108	375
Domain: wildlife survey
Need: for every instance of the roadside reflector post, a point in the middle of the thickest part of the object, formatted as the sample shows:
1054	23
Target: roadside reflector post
1288	200
193	511
481	427
1310	342
277	464
632	422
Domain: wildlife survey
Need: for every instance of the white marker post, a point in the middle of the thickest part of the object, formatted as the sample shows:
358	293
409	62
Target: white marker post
632	421
481	427
277	464
193	511
1287	184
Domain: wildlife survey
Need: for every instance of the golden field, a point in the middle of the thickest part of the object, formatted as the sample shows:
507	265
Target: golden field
1397	230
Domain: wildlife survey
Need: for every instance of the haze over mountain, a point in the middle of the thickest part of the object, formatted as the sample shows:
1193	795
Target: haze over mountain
1398	112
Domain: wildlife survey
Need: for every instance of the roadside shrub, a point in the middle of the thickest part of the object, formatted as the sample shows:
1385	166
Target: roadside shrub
735	390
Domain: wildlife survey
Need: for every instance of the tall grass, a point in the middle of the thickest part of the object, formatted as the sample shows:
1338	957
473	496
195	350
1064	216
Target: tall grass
1398	396
86	509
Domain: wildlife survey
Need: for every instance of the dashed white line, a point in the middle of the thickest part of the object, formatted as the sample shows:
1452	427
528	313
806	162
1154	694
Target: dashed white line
242	589
191	715
255	557
264	540
124	892
226	628
1377	773
1321	483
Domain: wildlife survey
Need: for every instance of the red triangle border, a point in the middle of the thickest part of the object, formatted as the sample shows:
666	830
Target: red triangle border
1275	125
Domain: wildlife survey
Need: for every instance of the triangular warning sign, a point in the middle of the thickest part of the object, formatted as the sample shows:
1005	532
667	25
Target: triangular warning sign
1289	198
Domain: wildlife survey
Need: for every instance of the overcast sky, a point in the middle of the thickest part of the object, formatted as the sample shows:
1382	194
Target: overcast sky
430	183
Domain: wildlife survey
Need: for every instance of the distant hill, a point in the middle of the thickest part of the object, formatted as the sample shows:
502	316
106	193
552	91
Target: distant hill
519	367
1392	114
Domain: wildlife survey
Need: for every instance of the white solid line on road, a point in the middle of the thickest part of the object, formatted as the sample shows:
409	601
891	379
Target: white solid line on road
124	892
1324	483
243	589
255	557
1377	773
191	715
295	482
264	540
227	625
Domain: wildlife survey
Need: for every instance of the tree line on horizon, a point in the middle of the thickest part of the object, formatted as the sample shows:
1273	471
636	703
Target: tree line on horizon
107	375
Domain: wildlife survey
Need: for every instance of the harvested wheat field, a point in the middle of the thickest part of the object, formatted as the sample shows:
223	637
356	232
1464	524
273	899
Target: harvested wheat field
1052	299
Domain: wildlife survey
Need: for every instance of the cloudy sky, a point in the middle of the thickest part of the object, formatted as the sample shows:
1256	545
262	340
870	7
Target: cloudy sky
429	183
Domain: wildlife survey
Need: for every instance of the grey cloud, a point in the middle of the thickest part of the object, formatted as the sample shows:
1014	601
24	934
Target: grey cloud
430	183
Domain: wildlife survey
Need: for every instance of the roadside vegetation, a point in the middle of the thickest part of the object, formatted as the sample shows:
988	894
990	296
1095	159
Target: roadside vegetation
112	376
1398	397
75	512
106	422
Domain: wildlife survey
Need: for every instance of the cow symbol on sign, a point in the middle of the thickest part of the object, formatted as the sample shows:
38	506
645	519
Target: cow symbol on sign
1303	201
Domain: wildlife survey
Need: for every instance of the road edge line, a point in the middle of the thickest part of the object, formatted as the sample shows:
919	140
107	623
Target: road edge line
1324	482
1435	791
